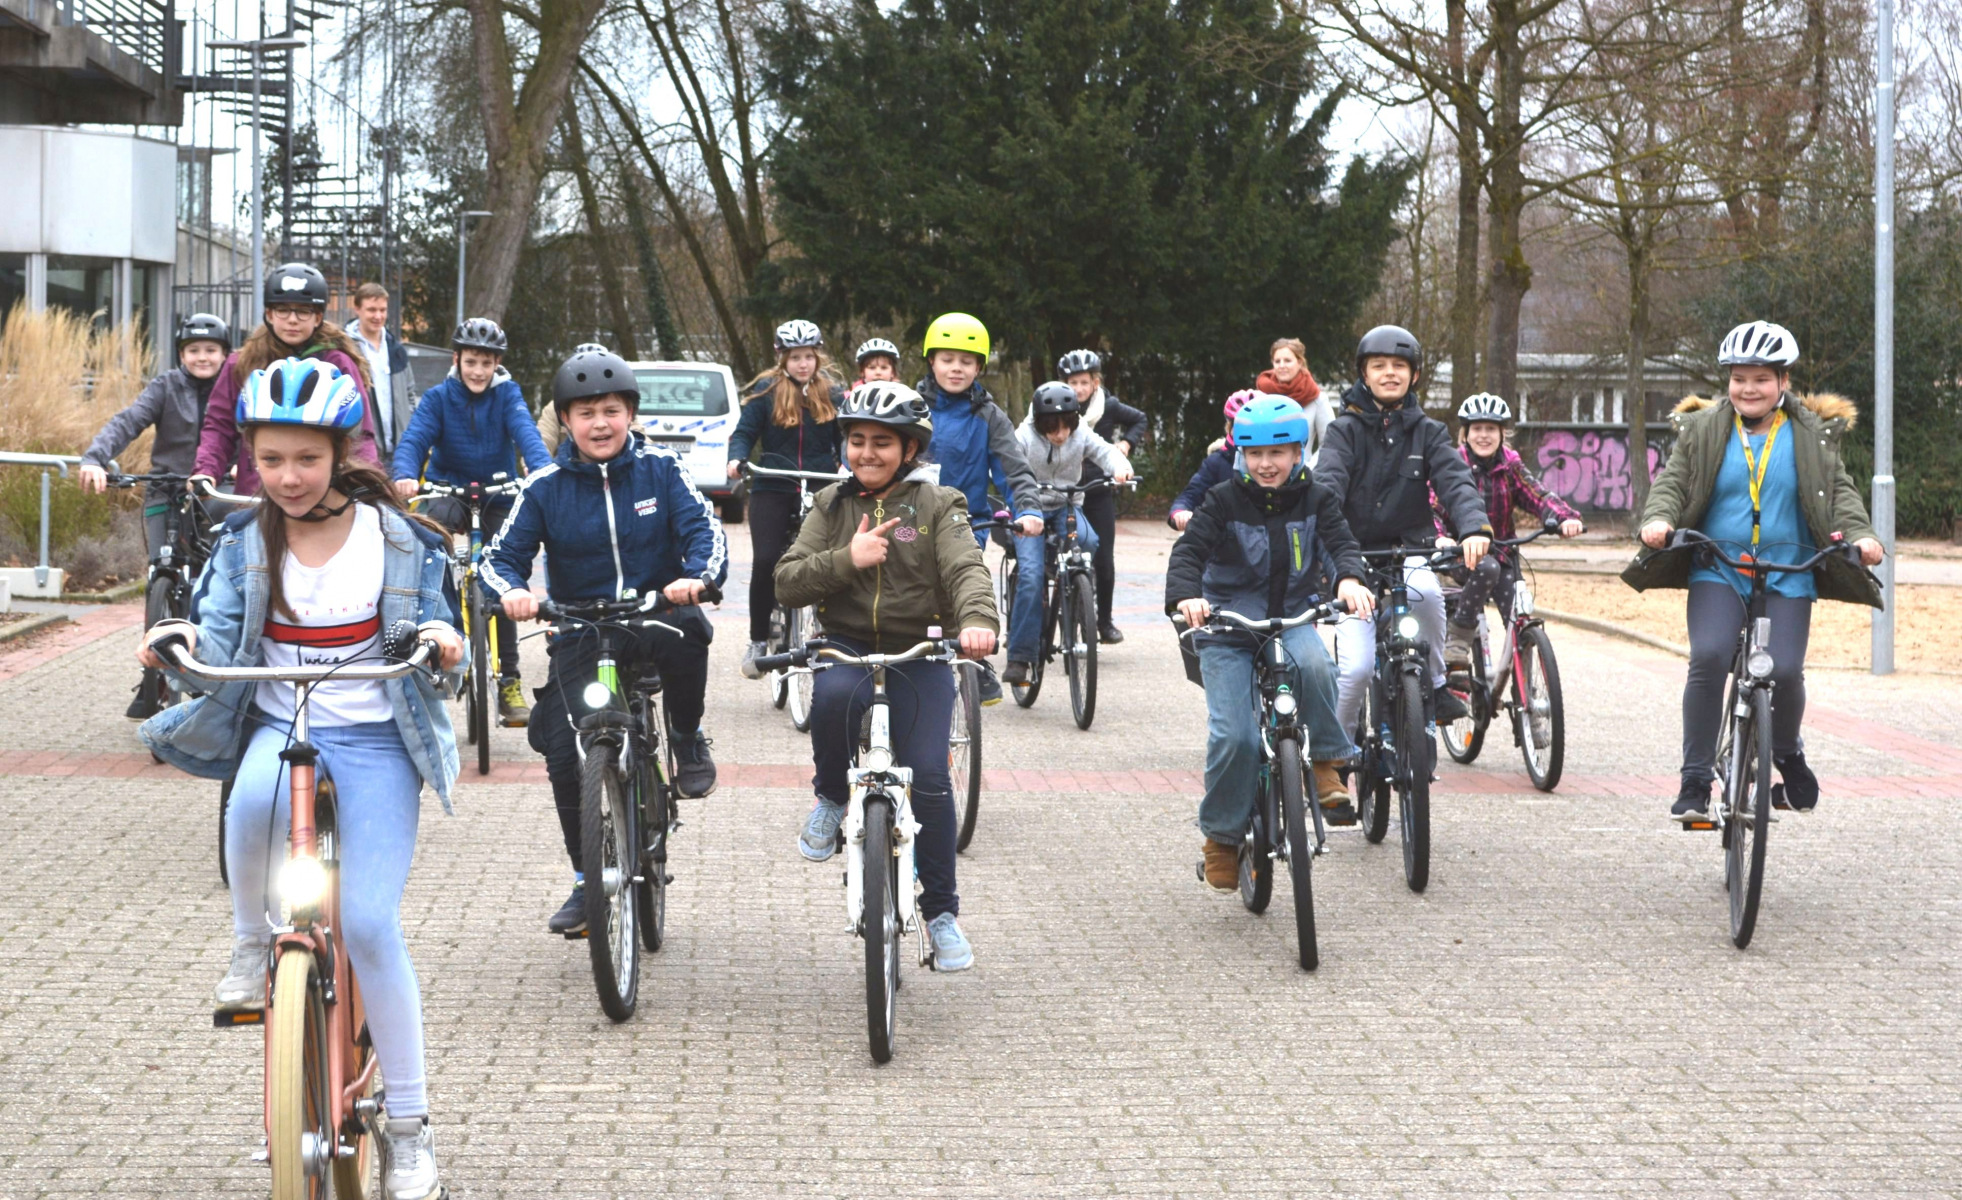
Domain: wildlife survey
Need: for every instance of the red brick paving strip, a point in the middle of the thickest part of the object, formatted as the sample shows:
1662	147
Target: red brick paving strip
92	625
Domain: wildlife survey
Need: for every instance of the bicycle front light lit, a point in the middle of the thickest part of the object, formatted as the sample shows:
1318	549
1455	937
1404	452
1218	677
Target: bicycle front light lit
1284	705
597	695
1407	625
302	881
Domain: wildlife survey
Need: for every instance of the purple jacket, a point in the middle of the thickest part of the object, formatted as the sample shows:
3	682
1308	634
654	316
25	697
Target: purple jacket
220	448
1507	485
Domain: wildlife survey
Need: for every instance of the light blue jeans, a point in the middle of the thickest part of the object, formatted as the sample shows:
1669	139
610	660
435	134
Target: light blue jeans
380	802
1025	618
1233	726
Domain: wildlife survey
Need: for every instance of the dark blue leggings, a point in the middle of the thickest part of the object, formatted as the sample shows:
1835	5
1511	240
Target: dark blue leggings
921	712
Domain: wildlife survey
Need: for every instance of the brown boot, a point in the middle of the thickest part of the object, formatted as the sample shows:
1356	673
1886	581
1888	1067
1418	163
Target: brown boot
1336	806
1221	868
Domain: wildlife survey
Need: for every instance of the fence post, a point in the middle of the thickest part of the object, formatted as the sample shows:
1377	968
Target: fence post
41	571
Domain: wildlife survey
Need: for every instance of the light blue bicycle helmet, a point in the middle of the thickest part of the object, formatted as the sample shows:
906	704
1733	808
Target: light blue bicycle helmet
300	391
1270	420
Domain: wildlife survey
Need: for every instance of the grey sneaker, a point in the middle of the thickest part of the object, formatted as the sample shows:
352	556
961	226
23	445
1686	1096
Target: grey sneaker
244	984
756	650
819	840
951	950
411	1159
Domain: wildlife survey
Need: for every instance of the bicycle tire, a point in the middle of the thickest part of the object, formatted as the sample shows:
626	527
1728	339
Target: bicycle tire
1413	777
157	606
964	752
480	678
606	836
803	684
224	802
1749	792
1368	780
1080	656
1465	737
651	893
1296	793
1535	648
780	680
1025	694
297	1103
880	928
1257	848
359	1177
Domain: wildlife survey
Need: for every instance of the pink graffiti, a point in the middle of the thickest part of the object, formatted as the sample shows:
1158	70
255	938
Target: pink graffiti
1590	470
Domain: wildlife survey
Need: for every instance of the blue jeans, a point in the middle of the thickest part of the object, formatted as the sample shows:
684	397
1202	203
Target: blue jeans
380	803
1025	617
1233	726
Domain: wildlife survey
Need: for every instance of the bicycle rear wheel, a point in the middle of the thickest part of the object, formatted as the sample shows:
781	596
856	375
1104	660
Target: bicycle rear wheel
300	1135
1079	638
606	852
1747	816
780	680
651	893
478	689
1413	779
964	751
1369	780
880	928
1257	848
1465	737
1539	713
1295	795
802	683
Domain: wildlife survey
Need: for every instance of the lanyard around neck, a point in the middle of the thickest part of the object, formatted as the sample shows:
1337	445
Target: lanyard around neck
1754	469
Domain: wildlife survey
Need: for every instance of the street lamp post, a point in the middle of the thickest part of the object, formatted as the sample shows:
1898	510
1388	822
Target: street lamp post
258	48
462	251
1883	333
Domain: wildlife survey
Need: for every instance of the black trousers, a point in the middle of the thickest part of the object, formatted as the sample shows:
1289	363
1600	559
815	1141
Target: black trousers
454	515
1716	616
1100	509
770	517
1492	578
553	732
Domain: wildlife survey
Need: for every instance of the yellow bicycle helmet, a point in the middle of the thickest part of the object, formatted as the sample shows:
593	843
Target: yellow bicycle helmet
956	331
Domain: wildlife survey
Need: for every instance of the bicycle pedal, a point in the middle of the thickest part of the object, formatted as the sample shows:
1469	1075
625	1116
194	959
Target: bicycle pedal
228	1018
577	935
1701	824
1778	800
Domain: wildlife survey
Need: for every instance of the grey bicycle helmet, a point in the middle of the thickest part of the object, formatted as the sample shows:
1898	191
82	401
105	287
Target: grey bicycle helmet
890	404
872	346
1054	397
797	335
1394	341
592	373
1076	362
1484	406
1758	344
480	333
202	327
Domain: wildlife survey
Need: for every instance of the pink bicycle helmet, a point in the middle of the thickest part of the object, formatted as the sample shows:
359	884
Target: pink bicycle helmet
1234	404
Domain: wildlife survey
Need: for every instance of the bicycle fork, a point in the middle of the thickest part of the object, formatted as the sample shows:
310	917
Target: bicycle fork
880	777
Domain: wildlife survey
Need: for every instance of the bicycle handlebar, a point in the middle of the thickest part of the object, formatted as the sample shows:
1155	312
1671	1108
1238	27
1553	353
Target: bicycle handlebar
209	491
1270	625
750	468
1700	543
1084	489
941	649
174	647
1551	525
125	480
500	485
605	610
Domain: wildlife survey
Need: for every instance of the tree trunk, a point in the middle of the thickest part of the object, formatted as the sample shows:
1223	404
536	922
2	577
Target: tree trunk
1506	192
1465	286
653	283
607	267
1635	405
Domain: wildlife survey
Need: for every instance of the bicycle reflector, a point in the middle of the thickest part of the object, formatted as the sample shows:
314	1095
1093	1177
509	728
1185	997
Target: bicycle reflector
302	882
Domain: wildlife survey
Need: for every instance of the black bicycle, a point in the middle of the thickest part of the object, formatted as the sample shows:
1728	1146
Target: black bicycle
1287	821
1742	812
627	801
481	668
1069	606
1397	751
792	627
1522	662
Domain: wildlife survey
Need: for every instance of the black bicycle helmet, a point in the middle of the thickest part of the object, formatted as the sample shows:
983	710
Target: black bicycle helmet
1054	397
891	404
480	333
202	327
592	373
1394	341
1078	361
296	283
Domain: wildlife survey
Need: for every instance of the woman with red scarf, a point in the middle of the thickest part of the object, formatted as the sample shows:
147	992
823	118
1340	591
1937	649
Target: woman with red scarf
1289	376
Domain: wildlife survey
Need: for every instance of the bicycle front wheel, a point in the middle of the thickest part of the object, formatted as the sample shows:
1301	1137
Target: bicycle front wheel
300	1134
880	924
651	893
1413	780
1257	848
1747	816
1465	737
1300	846
1079	638
803	683
159	605
1369	780
607	855
1541	716
964	751
478	688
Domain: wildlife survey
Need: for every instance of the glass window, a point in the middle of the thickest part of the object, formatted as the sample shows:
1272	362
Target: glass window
13	284
680	392
85	286
142	281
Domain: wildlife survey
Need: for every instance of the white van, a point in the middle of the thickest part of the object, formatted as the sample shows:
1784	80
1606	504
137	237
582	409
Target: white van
691	409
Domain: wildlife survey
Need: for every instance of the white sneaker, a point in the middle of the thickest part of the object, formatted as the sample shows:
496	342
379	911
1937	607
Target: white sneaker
244	984
411	1160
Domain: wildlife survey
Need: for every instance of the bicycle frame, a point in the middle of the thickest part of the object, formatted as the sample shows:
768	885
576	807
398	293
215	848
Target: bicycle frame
475	497
878	774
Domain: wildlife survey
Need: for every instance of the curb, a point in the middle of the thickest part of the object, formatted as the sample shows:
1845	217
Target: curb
20	629
115	595
1595	625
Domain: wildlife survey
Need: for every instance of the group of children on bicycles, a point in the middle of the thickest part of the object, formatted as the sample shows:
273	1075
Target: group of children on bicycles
330	558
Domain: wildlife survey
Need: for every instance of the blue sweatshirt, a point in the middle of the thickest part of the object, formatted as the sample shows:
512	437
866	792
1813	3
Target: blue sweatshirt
974	445
468	437
632	522
1216	469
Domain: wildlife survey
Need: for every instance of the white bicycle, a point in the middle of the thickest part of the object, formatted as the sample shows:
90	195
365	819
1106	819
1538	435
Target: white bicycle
878	833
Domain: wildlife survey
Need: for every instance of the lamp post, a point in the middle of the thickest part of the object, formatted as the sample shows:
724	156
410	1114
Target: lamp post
258	48
462	251
1883	332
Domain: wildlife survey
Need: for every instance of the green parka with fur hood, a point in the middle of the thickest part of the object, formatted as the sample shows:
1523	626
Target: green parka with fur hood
1828	496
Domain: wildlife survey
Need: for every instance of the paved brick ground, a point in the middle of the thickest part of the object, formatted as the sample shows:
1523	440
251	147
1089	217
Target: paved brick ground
1560	1013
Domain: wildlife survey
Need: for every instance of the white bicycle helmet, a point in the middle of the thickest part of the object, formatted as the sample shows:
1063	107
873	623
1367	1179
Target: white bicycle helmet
300	391
797	335
1484	406
1758	344
873	346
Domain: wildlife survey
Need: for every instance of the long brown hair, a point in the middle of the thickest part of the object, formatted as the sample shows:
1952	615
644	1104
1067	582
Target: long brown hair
359	480
262	350
789	398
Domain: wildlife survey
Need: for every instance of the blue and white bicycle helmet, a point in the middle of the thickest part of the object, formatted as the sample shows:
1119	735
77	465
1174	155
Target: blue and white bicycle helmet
300	391
1484	406
1270	420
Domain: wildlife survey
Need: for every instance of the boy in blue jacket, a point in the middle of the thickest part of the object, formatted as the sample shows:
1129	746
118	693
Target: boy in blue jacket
615	514
468	429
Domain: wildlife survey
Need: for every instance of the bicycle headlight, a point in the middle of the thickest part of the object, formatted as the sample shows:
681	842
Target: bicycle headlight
1407	625
302	881
597	695
1284	705
1758	663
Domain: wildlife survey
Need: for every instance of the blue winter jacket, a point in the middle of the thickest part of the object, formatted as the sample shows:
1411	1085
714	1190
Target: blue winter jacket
633	522
1216	469
469	437
974	445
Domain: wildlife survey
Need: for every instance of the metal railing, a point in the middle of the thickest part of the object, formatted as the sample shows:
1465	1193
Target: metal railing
49	464
141	29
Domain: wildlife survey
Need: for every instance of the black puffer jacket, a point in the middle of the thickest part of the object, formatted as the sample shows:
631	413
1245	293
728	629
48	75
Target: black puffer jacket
1111	419
1262	552
1382	463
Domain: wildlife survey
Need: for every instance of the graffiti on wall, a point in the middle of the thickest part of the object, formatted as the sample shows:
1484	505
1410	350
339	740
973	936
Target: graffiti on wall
1589	469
